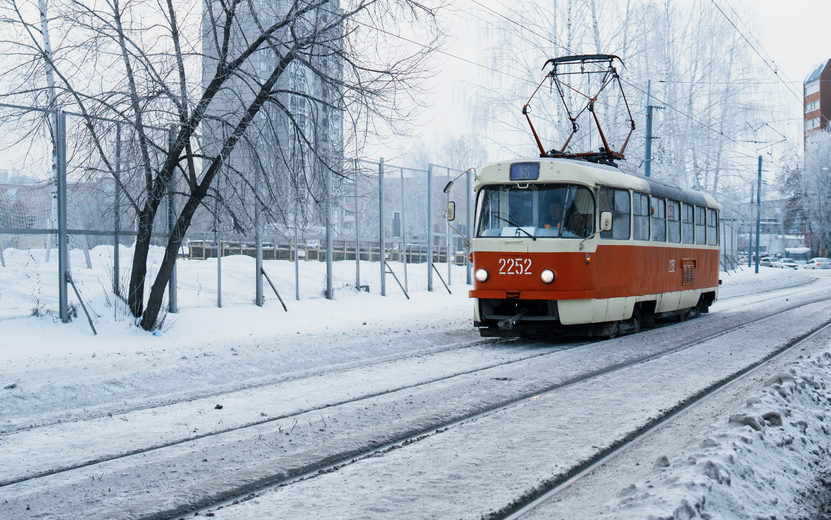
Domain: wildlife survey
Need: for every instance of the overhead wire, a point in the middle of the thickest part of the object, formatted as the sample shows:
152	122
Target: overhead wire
443	52
564	47
758	53
630	83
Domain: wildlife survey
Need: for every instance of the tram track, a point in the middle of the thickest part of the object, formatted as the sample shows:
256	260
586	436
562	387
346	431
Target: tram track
329	466
276	419
373	395
550	489
336	460
116	408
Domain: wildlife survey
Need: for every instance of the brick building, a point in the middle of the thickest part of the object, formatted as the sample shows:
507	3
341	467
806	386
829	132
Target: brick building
817	99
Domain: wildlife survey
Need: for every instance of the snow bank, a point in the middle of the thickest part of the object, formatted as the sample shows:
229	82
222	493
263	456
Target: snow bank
768	461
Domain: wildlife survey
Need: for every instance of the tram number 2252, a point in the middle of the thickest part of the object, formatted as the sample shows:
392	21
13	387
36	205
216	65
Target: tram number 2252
514	266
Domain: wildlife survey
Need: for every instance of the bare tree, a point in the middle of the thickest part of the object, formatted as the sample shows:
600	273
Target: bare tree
199	102
813	196
689	52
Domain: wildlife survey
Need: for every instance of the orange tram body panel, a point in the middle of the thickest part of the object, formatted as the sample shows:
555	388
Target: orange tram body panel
563	245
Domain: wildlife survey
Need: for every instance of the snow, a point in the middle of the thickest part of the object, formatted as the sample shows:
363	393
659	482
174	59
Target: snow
71	399
761	462
199	320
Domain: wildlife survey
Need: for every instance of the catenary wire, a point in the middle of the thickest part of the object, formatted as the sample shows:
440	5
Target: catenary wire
633	85
758	53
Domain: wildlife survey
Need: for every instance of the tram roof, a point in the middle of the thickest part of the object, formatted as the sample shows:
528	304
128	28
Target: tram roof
573	170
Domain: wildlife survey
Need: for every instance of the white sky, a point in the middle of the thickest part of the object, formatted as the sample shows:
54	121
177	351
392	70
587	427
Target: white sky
793	36
794	33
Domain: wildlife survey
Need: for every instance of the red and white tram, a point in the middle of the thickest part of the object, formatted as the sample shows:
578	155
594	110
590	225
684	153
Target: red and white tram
562	244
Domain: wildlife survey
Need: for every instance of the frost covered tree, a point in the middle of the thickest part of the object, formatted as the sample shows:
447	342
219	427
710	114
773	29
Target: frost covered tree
191	83
813	198
693	57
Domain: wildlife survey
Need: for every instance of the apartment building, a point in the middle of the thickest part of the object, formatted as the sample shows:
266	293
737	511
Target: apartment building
817	99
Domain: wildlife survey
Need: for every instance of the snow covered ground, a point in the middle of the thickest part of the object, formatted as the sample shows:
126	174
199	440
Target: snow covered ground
200	321
763	460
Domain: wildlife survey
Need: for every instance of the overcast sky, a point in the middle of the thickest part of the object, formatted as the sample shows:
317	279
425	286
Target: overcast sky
795	33
789	36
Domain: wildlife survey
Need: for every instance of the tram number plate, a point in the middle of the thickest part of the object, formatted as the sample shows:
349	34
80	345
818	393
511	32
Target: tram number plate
514	266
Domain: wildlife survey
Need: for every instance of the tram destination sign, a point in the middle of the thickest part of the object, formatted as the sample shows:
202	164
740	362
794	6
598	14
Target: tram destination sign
525	171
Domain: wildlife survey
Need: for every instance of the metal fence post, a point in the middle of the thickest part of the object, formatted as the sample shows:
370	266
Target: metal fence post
63	254
258	238
218	242
357	235
296	259
469	192
117	211
172	305
404	234
329	289
430	227
447	239
382	245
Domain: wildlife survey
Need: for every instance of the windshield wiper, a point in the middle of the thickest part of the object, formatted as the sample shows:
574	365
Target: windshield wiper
503	219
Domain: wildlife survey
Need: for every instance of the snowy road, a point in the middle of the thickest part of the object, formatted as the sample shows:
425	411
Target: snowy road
386	422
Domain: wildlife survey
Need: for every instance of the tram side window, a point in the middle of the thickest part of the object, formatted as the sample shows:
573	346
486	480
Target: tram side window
659	222
640	210
616	201
700	226
712	227
687	224
674	221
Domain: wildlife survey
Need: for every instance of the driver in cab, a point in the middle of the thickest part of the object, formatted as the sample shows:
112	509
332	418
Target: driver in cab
554	219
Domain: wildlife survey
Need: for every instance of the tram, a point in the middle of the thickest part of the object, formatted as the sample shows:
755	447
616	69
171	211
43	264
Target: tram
567	241
560	243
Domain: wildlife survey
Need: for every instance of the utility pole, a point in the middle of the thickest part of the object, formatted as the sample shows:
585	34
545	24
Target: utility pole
758	212
647	161
750	231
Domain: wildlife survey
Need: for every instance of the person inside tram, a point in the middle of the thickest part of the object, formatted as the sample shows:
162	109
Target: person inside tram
554	219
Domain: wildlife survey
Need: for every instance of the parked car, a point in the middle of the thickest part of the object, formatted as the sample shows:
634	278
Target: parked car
818	262
765	261
785	263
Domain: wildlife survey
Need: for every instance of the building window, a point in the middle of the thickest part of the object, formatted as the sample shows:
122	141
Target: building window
813	105
812	87
810	124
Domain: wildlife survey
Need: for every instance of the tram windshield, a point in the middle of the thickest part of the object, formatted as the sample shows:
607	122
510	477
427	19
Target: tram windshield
535	211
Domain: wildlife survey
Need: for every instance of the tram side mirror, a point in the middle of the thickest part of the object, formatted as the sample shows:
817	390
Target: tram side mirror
605	221
451	211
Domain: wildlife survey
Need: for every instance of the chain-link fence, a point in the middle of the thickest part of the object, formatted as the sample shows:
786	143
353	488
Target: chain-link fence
81	197
729	242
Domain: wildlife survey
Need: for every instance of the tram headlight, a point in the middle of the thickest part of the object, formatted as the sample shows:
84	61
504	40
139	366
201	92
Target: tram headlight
481	275
547	276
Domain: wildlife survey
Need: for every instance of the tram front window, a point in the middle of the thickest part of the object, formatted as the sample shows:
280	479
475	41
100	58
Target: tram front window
538	211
